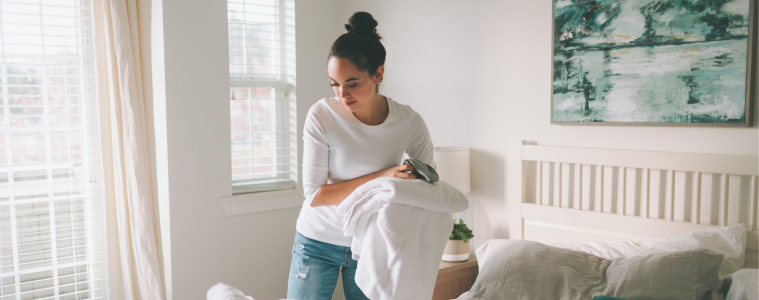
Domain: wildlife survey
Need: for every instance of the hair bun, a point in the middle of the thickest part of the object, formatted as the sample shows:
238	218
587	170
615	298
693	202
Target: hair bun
362	23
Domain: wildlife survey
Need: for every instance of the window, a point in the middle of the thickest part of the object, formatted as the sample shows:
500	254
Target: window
47	157
262	95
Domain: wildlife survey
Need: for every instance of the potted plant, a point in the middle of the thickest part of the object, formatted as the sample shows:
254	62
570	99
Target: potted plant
457	248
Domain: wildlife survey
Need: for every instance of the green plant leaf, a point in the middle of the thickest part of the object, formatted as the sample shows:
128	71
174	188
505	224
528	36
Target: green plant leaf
461	231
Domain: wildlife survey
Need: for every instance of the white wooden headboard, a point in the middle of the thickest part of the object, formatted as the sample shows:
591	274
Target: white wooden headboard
580	194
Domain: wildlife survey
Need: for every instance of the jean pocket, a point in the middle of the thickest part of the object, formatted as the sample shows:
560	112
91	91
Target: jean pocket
299	246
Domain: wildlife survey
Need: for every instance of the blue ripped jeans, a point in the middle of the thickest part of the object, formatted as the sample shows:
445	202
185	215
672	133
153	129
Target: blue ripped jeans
314	271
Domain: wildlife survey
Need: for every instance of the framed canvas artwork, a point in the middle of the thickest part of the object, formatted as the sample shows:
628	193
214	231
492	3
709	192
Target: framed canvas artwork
653	62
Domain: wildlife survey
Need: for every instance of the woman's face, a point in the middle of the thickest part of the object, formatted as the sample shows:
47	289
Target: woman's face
354	88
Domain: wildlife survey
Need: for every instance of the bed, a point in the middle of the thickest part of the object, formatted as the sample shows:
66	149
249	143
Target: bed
565	194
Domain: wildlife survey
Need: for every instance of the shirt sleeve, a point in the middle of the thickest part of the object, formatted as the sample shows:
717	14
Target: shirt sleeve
315	154
420	142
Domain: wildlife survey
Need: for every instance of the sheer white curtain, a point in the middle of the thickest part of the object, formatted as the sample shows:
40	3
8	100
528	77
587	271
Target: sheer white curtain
132	257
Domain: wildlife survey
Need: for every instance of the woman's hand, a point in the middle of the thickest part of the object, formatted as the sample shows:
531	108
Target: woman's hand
399	172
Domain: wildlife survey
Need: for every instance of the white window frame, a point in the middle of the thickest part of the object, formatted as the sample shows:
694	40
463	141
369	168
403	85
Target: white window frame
284	98
85	171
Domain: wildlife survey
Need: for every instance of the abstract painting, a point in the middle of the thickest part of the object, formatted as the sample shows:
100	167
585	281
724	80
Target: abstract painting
652	62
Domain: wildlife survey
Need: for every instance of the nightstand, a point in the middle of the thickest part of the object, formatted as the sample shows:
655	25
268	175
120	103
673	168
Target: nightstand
455	278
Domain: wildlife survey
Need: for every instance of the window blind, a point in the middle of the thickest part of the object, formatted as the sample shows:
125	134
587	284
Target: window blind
262	94
48	136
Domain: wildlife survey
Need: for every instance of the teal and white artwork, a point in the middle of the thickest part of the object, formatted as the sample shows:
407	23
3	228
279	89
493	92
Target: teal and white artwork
651	62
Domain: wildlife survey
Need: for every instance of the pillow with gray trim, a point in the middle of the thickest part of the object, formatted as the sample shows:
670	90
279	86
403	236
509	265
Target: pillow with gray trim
522	269
690	274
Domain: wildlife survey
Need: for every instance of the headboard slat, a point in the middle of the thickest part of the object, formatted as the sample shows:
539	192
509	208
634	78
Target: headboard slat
696	215
754	203
723	197
646	193
602	186
578	200
670	198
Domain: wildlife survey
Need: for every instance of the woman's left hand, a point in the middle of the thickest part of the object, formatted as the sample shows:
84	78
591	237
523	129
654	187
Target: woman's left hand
401	171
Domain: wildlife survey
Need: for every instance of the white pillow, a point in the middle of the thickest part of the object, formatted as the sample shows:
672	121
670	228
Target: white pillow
741	285
729	241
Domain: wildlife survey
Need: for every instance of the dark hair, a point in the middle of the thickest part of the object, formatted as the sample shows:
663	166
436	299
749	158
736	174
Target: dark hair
361	45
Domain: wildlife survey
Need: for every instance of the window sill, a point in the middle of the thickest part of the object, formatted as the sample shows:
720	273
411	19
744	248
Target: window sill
263	186
261	202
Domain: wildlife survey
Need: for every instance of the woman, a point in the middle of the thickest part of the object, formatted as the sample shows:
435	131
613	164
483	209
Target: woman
348	140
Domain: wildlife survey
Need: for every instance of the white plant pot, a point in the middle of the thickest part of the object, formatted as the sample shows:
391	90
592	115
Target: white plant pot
455	251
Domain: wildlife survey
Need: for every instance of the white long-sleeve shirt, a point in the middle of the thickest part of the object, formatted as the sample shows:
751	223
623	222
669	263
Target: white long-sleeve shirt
338	147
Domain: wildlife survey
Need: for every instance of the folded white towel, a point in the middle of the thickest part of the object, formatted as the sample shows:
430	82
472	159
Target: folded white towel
400	228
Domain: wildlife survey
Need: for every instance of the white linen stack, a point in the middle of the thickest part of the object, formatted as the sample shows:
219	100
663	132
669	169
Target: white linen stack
399	228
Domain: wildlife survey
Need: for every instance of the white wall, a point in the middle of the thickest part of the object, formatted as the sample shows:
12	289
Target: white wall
253	251
512	88
429	53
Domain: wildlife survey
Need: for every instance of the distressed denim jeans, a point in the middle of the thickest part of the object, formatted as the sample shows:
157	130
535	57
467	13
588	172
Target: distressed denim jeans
314	271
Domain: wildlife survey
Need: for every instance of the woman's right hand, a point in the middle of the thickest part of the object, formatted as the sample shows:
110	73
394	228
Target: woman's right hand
399	172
